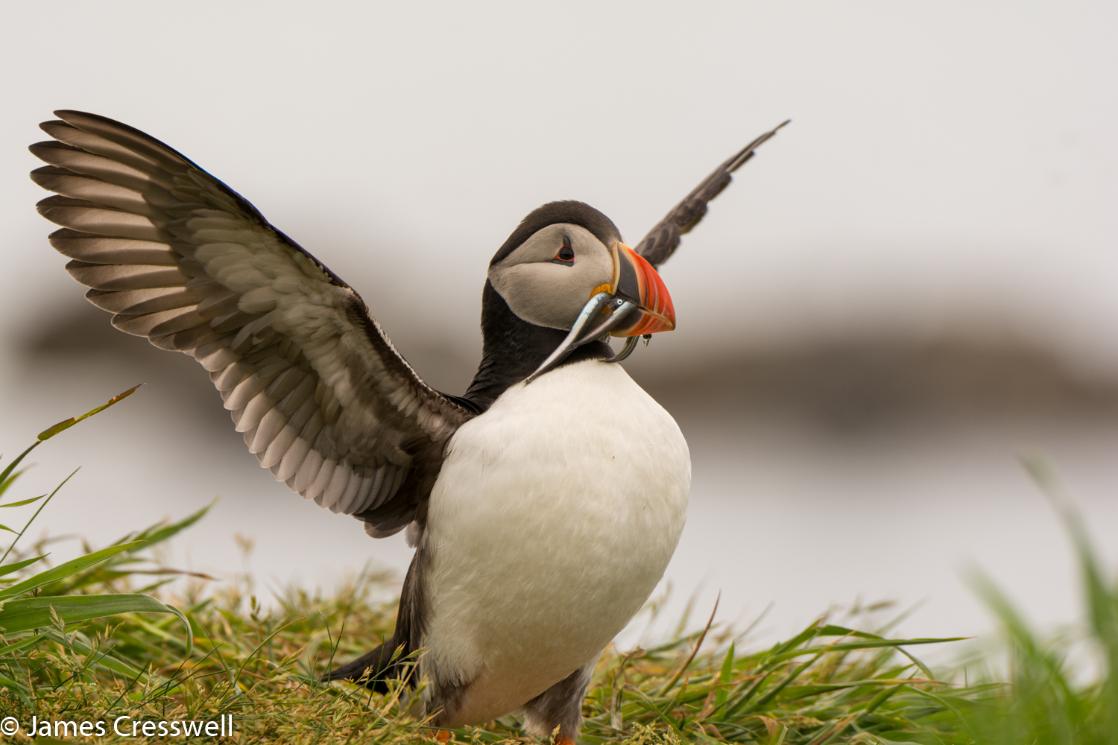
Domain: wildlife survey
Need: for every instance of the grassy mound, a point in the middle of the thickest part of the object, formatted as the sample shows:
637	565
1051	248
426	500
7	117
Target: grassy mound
114	640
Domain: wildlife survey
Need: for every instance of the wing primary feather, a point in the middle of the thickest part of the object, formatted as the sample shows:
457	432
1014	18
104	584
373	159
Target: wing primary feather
95	144
143	325
142	301
92	218
133	140
111	250
91	164
80	186
124	276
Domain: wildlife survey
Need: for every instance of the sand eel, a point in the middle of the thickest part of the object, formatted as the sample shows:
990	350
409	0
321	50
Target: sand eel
543	503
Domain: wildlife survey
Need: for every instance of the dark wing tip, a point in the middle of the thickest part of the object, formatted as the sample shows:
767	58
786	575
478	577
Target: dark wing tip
42	150
89	120
746	152
46	176
50	206
52	124
662	241
68	114
46	204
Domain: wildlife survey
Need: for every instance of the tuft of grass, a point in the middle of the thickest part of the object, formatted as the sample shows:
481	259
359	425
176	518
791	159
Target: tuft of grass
112	633
1046	699
35	605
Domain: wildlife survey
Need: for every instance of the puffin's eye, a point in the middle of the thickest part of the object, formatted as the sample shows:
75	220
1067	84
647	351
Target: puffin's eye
566	255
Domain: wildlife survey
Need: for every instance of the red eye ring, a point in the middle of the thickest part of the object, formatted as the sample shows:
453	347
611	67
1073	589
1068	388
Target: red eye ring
566	254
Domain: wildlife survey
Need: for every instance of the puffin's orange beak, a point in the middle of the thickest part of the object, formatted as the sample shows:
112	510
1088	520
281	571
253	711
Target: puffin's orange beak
636	280
635	303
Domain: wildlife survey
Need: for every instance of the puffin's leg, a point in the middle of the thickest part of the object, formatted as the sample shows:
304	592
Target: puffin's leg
442	697
559	706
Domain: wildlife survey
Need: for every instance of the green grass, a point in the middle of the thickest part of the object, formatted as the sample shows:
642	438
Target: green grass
112	633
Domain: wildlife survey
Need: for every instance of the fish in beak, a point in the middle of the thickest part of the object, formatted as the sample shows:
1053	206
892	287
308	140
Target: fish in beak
635	304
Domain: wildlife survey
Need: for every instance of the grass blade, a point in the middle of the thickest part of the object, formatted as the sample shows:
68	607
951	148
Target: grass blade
64	570
26	614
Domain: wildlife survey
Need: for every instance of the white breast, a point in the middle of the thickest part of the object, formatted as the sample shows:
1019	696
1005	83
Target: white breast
553	518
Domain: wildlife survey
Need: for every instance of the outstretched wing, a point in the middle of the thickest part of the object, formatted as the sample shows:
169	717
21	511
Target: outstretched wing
662	241
323	399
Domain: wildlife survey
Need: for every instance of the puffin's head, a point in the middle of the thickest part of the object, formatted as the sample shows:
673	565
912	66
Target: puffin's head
565	267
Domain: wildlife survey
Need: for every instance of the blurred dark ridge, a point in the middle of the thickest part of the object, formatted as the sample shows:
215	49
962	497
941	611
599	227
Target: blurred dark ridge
874	381
861	382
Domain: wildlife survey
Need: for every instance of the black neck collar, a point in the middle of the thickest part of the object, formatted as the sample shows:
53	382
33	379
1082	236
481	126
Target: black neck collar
513	348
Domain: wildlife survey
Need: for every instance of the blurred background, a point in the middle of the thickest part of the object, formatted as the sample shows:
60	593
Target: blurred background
909	289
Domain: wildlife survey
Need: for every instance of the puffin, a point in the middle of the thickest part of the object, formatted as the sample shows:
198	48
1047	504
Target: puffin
543	503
